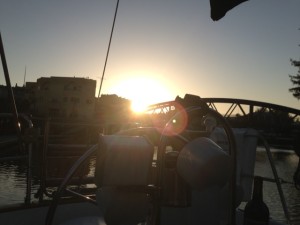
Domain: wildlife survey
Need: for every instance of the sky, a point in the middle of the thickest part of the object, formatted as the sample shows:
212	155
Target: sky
160	49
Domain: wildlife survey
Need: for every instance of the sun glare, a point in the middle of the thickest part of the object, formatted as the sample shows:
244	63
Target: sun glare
142	91
138	106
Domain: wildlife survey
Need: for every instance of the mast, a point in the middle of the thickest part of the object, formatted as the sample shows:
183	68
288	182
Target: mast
24	77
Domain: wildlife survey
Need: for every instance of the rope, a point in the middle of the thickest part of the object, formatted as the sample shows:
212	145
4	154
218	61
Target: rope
108	48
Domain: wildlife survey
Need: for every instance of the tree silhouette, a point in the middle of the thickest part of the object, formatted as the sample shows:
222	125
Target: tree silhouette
295	79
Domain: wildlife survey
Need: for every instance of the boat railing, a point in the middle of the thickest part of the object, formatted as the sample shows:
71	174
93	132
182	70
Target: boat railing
276	179
59	150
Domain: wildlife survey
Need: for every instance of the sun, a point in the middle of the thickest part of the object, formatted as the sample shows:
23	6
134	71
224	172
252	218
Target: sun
138	106
142	91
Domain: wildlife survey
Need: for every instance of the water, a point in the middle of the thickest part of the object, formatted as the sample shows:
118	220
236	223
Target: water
13	184
286	164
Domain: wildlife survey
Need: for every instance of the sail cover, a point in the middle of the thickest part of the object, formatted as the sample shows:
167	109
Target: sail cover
218	8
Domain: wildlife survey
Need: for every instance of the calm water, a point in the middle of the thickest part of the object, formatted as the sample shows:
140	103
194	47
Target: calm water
286	164
12	184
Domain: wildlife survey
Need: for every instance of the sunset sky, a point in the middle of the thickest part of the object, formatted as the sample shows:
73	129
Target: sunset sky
160	48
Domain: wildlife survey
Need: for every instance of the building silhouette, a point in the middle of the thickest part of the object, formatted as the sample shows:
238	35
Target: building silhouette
62	97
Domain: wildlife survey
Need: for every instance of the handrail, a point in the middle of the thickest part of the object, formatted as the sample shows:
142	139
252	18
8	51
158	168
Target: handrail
46	147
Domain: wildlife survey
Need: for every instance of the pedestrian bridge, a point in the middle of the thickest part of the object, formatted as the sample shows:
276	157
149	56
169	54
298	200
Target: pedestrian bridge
280	125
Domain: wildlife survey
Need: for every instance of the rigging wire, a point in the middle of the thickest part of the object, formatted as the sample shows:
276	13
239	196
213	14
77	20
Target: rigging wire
11	94
108	48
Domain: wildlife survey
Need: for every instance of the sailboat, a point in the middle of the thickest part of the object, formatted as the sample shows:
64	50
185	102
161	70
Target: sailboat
168	174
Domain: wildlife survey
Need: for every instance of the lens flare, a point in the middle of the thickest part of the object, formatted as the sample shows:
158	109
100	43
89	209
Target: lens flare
175	125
